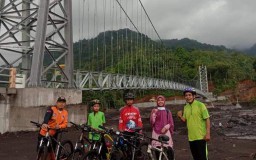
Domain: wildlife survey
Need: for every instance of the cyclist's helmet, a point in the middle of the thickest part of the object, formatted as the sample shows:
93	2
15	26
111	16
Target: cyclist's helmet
95	101
129	95
191	90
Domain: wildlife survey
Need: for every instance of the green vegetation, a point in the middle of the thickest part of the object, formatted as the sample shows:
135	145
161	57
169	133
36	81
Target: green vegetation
125	51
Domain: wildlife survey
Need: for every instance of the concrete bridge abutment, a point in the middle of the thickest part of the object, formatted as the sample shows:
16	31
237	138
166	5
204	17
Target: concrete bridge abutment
19	106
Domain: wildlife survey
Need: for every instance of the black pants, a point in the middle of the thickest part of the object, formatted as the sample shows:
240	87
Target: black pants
169	151
198	149
104	149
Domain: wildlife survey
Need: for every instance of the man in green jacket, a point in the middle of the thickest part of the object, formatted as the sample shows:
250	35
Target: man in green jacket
197	118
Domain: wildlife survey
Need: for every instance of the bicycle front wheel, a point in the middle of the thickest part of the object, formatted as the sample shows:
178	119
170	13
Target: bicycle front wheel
91	155
163	155
42	153
78	154
141	153
65	150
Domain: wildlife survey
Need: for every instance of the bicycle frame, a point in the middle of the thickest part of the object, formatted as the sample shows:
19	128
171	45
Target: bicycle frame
160	150
82	138
47	141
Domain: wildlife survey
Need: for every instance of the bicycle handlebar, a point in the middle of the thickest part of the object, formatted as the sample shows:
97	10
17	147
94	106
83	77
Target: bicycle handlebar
36	124
85	127
40	126
106	129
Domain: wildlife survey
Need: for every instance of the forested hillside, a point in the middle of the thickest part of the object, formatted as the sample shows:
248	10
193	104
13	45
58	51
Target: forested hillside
125	51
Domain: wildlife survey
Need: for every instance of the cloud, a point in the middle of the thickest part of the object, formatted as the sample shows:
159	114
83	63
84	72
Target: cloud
221	22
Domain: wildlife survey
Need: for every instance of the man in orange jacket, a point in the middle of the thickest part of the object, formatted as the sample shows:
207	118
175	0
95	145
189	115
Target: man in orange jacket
56	117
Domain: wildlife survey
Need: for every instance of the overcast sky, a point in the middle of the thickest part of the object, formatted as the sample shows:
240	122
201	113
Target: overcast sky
220	22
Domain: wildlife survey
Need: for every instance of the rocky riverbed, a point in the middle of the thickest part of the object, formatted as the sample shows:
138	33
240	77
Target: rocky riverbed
232	134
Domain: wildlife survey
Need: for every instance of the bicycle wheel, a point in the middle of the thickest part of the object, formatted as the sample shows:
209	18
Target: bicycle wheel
141	153
78	154
109	144
42	153
116	155
65	150
164	155
91	155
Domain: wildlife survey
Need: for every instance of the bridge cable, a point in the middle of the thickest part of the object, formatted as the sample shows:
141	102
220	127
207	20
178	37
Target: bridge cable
132	71
137	43
150	21
117	41
127	15
83	17
88	35
126	44
141	39
79	36
97	33
111	16
80	56
104	39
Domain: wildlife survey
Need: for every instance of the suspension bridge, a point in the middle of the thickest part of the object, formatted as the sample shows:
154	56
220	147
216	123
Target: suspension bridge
69	46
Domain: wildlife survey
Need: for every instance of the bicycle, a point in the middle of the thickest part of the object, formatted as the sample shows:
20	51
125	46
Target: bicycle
134	144
83	144
163	139
104	141
126	146
63	148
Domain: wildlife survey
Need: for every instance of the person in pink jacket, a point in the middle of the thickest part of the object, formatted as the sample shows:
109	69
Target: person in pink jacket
162	124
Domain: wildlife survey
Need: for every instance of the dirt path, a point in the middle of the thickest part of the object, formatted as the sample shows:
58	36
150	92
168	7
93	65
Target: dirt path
21	145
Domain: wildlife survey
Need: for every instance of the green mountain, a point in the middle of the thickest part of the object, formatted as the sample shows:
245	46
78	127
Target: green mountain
126	51
191	45
251	51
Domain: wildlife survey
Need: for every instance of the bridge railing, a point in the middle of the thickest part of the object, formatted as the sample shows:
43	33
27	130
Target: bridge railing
87	80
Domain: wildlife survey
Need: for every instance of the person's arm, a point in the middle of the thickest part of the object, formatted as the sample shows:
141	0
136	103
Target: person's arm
206	117
182	117
121	121
170	125
153	117
139	120
89	123
48	115
208	130
171	128
103	119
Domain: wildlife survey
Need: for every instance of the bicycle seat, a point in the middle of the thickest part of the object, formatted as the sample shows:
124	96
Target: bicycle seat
163	138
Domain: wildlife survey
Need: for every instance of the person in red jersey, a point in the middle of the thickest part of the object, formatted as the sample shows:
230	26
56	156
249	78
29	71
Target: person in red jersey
129	115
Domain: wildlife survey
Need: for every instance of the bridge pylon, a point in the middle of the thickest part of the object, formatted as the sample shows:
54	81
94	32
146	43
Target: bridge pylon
203	79
41	36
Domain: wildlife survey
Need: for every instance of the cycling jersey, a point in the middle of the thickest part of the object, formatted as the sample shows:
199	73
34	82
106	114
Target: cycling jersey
195	114
54	117
129	118
94	120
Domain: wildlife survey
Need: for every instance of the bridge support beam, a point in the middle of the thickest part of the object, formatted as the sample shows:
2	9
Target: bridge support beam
2	2
26	62
69	61
38	53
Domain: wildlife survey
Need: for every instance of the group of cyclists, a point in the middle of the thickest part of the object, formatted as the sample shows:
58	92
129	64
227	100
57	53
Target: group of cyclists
195	115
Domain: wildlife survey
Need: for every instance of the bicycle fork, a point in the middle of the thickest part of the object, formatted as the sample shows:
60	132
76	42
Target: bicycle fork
150	151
